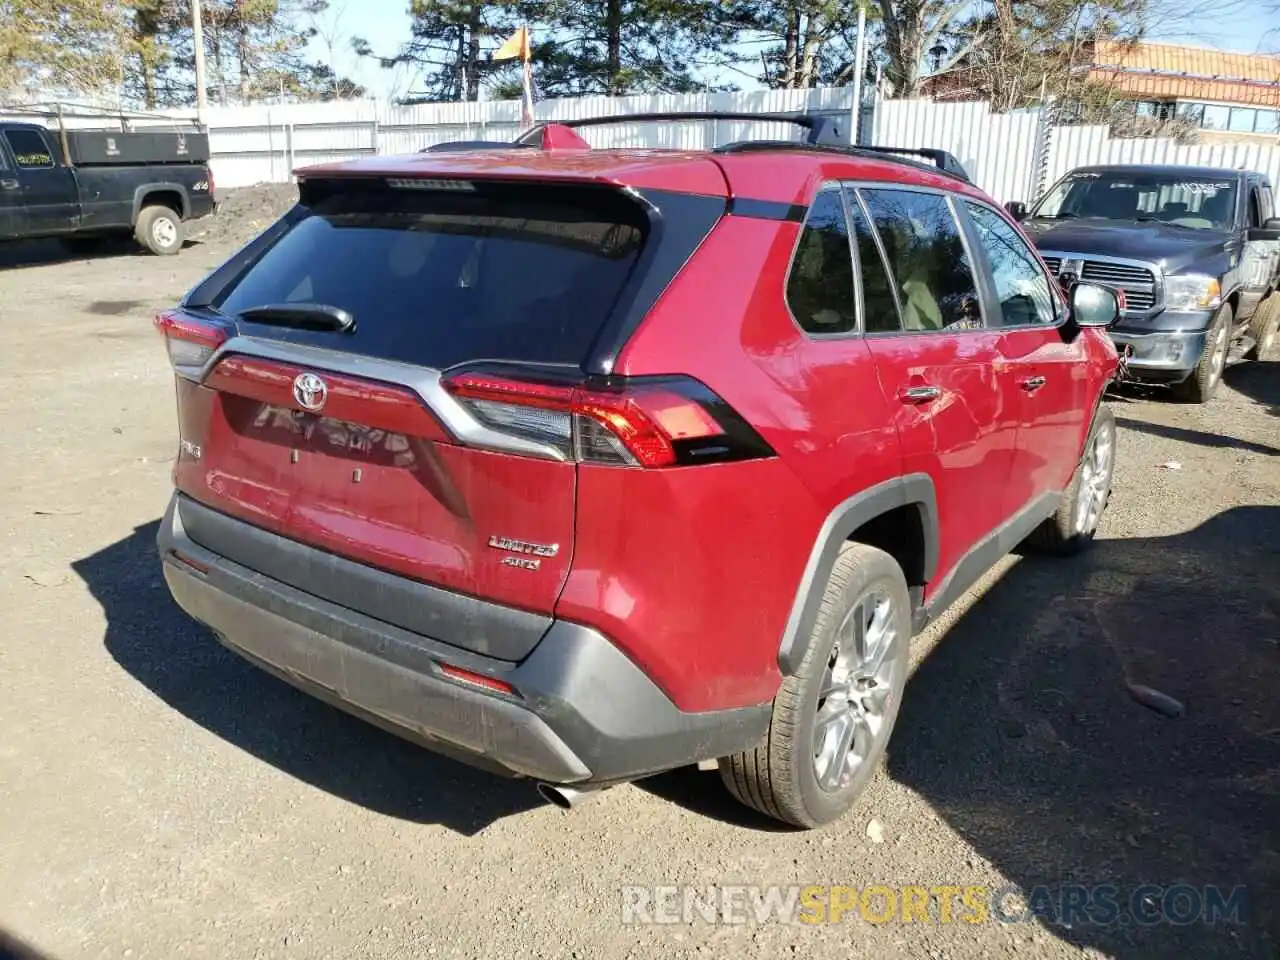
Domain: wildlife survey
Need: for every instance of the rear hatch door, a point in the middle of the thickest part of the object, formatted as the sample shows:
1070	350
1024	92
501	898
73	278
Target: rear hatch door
336	433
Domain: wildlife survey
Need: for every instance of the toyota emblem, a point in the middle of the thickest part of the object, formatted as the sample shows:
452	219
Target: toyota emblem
310	391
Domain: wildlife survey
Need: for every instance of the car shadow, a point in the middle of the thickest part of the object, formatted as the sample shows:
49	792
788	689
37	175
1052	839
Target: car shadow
1022	733
21	254
1259	381
1196	436
181	663
13	948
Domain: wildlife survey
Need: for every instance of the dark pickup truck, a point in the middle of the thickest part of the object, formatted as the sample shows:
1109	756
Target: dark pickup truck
1195	250
79	186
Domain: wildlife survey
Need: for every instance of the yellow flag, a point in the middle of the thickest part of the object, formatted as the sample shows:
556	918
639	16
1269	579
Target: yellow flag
516	47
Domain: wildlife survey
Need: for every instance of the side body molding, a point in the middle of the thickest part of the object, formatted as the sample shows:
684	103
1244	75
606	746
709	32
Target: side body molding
914	489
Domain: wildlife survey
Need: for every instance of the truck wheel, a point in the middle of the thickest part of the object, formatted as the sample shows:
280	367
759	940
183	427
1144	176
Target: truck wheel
160	230
1074	524
831	721
1203	382
1265	327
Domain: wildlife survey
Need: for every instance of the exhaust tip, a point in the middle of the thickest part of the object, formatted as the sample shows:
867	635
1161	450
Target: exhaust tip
566	798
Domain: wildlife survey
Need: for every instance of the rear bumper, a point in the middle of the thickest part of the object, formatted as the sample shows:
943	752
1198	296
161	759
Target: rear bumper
583	711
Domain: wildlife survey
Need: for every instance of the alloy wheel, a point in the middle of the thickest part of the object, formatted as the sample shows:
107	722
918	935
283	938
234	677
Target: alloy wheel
854	699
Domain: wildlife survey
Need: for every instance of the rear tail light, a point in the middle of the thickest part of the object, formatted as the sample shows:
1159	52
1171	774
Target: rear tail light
190	342
660	422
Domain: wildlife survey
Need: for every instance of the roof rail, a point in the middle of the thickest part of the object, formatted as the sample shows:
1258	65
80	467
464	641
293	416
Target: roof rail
826	131
450	146
942	162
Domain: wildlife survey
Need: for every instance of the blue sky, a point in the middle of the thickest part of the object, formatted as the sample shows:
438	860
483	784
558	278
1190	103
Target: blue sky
1237	25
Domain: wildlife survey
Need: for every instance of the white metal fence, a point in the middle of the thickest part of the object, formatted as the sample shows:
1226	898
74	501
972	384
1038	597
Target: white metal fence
257	144
1012	156
1015	156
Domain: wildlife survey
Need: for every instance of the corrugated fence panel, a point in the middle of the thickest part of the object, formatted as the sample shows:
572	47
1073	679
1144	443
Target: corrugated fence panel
997	150
265	143
1081	146
1000	151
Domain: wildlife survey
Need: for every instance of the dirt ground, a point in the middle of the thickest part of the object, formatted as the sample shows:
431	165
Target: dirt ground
161	798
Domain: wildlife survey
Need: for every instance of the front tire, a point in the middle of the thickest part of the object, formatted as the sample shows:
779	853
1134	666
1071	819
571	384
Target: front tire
1203	382
832	719
1075	523
160	230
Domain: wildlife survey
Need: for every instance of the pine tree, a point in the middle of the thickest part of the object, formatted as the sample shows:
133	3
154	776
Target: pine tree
809	43
63	48
448	44
618	47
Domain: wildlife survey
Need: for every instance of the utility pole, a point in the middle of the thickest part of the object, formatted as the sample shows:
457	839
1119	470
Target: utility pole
859	68
197	40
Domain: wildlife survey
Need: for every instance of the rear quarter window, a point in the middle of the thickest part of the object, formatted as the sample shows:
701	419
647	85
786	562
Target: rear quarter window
440	277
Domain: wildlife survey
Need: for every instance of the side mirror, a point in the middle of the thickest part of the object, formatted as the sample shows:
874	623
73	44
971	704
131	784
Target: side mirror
1017	209
1095	306
1270	230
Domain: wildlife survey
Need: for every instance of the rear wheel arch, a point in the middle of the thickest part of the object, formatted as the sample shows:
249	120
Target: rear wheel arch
898	516
171	195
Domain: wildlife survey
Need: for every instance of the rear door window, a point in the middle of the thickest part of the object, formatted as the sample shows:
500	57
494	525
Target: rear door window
928	259
442	276
879	308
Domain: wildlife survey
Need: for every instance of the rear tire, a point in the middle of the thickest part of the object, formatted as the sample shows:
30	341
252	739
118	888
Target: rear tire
1074	524
160	230
1265	328
832	720
1203	382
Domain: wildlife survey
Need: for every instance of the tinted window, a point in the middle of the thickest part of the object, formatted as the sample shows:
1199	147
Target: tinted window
820	287
1021	285
879	309
442	277
927	258
29	149
1255	208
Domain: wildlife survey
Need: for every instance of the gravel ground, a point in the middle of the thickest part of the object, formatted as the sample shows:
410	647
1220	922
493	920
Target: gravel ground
160	798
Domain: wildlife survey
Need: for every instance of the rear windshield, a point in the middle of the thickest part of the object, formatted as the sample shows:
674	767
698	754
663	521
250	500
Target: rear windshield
442	276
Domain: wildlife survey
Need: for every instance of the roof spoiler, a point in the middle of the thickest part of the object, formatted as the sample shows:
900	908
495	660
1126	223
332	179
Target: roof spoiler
823	133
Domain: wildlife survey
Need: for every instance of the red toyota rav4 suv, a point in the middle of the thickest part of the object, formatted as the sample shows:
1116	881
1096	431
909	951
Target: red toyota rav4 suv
584	465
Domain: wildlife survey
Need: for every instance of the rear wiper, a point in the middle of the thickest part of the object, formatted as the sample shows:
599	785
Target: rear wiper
303	316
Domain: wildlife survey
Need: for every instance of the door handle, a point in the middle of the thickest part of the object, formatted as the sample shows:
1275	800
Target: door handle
1032	384
919	394
9	184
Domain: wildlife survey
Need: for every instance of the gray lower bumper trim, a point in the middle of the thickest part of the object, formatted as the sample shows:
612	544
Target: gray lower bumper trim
586	712
424	707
